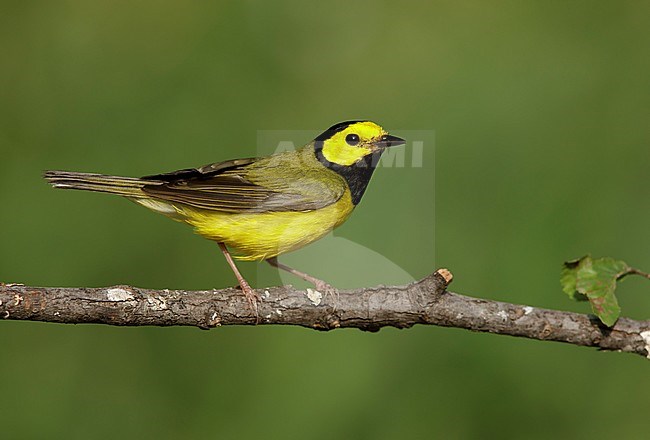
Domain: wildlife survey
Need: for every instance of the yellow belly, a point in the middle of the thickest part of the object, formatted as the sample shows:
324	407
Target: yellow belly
257	236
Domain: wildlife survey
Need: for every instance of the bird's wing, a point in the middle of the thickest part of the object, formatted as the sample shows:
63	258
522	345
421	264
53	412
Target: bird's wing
248	185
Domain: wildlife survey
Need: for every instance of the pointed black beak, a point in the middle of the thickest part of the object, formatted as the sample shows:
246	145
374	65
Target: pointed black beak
388	140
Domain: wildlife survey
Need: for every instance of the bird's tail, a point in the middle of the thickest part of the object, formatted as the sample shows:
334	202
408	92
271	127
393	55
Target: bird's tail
123	186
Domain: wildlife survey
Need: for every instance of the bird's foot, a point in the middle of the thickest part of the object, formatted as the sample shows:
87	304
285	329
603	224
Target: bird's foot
328	291
252	297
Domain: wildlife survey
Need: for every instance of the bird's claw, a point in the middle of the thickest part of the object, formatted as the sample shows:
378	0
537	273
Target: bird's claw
252	297
328	291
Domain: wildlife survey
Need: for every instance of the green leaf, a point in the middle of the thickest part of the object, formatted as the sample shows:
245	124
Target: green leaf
569	278
595	279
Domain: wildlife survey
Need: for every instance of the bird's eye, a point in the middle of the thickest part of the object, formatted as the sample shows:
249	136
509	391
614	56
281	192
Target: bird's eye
352	139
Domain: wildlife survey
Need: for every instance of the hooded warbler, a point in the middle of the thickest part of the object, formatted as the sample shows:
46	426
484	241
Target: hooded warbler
260	207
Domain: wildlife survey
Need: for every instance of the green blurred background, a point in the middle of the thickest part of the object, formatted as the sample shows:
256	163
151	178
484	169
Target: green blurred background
540	111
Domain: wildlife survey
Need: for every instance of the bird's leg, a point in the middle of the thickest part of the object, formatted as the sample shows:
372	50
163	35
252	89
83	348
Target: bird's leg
320	285
249	293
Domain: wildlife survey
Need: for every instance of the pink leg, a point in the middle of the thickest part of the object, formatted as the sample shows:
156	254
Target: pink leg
249	293
320	285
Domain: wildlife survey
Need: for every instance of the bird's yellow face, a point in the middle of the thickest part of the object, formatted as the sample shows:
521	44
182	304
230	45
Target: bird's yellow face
348	143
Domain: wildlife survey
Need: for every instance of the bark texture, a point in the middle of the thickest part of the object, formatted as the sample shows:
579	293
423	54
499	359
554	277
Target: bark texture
425	302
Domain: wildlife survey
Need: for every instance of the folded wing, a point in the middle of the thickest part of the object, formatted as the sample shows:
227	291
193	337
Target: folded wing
272	184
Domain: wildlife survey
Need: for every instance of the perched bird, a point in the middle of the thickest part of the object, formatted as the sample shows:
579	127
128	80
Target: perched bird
260	207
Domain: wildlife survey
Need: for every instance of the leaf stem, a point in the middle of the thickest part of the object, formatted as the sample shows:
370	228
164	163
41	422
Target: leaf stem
633	271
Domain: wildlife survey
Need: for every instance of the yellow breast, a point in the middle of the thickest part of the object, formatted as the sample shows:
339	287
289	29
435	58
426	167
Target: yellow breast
258	236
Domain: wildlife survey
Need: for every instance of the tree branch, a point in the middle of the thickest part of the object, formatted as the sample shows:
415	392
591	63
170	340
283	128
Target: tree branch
423	302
